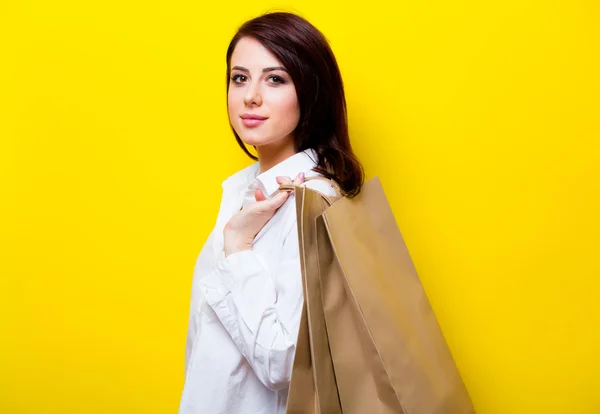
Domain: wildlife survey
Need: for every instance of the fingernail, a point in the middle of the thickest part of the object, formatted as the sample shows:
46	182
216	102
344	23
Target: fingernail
302	176
279	178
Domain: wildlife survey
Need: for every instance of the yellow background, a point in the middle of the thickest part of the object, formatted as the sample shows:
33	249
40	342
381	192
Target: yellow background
482	120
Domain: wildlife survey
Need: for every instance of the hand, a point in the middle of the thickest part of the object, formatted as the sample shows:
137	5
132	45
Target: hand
242	228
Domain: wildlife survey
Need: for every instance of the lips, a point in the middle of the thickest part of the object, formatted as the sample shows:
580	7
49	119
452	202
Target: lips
251	120
252	116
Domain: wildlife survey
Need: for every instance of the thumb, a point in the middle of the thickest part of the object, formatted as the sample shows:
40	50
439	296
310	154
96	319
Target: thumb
259	196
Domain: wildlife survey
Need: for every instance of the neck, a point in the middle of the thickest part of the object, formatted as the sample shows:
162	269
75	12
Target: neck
272	154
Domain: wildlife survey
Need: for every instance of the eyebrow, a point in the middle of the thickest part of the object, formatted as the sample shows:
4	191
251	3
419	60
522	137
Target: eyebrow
269	69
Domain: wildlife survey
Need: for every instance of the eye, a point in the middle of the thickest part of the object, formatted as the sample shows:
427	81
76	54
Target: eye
276	79
237	77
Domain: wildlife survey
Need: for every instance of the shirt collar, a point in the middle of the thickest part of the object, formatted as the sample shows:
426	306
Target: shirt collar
248	178
303	161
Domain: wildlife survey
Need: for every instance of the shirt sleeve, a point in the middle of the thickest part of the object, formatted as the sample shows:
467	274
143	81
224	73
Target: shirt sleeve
262	318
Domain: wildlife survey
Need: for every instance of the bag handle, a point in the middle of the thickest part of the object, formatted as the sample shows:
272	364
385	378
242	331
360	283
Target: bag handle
335	185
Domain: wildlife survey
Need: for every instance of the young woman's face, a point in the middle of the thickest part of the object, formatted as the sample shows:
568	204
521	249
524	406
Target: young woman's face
259	86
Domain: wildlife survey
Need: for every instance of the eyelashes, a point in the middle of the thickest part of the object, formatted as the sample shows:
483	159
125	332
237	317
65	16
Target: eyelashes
277	80
235	78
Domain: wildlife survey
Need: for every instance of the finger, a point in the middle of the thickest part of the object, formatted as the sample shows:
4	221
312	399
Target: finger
284	180
275	202
259	195
299	179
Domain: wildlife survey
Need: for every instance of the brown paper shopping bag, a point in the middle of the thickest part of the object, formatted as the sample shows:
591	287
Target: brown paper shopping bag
369	341
313	388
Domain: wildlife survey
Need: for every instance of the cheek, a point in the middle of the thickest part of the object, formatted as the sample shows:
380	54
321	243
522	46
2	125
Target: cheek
234	107
287	107
232	98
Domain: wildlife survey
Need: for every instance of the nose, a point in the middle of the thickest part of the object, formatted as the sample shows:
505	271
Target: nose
253	96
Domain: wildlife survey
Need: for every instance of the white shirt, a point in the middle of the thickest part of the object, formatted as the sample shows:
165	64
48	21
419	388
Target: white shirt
245	309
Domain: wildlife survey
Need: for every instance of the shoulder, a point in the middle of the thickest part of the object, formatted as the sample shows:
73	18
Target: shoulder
243	176
319	185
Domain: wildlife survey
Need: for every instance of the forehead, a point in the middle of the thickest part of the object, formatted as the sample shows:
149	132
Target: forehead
251	54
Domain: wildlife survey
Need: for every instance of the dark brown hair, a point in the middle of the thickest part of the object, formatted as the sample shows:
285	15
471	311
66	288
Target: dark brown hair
323	125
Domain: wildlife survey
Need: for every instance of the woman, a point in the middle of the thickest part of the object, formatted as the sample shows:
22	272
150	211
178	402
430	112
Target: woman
286	99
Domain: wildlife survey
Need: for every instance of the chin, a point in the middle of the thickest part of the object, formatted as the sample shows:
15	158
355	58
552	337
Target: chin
255	140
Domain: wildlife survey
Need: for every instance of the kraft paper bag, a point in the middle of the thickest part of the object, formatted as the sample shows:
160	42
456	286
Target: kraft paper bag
368	341
313	388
